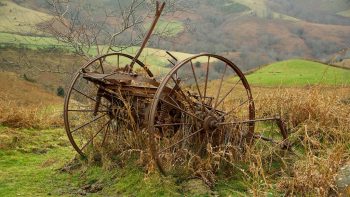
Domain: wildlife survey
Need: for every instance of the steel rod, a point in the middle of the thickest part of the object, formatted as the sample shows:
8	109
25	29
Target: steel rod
247	121
159	11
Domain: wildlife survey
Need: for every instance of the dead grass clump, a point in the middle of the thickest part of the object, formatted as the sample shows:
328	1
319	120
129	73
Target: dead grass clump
318	108
318	123
17	116
314	174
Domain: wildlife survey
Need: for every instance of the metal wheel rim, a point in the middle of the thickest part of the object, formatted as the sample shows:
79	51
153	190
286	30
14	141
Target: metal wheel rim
156	100
69	92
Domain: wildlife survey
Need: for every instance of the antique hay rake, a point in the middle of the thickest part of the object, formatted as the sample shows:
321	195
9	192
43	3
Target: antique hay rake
203	105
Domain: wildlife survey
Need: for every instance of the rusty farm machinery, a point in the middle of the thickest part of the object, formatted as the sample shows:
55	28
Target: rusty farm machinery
203	104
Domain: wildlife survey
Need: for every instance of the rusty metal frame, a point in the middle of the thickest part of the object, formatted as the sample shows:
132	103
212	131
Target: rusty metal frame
123	80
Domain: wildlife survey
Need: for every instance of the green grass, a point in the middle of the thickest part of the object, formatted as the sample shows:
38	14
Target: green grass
345	13
155	59
30	163
261	10
169	28
299	73
233	7
31	42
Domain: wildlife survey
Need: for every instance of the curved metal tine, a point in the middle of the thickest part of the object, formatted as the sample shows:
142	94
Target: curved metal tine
101	62
93	137
88	123
183	139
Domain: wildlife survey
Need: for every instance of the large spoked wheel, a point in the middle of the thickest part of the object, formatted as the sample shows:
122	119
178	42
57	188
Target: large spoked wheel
201	113
92	115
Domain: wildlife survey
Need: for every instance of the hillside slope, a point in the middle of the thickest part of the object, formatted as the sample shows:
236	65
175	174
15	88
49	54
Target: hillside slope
260	31
17	19
24	93
299	73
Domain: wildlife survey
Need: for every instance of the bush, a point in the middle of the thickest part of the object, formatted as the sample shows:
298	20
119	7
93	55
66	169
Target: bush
60	91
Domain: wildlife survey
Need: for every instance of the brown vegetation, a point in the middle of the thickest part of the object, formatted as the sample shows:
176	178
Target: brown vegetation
318	119
319	122
25	104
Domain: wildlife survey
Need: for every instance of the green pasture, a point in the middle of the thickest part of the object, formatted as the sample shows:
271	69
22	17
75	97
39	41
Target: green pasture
155	59
345	13
169	28
298	72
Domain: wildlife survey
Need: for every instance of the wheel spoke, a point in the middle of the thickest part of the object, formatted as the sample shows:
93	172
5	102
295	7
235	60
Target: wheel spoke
234	108
183	139
93	137
194	116
226	95
204	114
206	79
246	121
118	65
197	85
89	97
86	110
172	124
220	86
91	121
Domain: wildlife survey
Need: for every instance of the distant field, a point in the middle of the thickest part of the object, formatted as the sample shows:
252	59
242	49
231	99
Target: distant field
261	10
32	42
15	18
345	13
299	73
169	28
156	59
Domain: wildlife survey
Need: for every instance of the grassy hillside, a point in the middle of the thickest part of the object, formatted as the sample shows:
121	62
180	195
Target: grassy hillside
260	9
156	59
345	13
46	155
23	92
15	18
299	73
40	162
167	28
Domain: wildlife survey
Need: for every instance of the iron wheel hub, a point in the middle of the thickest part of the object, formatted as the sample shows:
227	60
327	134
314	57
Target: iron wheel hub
210	123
